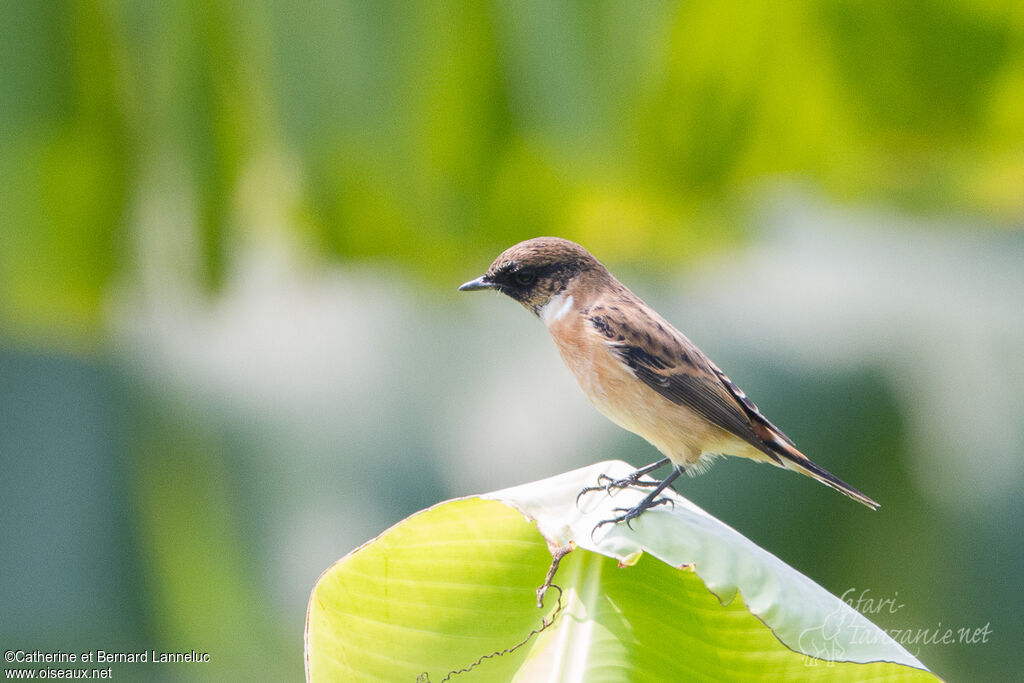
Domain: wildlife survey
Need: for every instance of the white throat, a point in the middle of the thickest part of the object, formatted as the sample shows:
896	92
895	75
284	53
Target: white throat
556	308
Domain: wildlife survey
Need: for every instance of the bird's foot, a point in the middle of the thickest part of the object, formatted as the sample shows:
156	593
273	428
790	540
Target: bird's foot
636	479
629	514
652	499
608	485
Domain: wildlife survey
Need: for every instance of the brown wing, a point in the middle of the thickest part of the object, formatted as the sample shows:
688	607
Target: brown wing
668	362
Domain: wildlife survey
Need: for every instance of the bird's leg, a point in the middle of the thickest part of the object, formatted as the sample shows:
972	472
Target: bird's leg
633	479
624	483
652	500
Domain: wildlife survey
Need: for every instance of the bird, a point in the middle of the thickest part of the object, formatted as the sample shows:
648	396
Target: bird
641	372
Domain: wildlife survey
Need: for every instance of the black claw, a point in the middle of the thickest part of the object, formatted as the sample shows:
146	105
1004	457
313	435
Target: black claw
607	488
589	489
599	525
614	484
607	484
652	500
663	501
629	514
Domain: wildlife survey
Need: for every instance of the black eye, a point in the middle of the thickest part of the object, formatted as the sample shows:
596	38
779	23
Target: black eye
525	277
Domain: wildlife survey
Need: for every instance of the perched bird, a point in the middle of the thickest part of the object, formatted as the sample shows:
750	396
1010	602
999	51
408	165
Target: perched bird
640	371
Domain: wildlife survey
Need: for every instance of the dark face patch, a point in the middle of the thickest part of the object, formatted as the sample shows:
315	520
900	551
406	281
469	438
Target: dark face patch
532	285
534	271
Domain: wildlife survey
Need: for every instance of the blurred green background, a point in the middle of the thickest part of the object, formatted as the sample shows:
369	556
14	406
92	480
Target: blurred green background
231	348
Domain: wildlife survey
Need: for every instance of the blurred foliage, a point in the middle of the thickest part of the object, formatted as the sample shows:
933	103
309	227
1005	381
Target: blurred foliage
434	134
143	143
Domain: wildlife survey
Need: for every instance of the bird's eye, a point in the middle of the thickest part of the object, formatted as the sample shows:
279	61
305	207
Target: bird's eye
525	277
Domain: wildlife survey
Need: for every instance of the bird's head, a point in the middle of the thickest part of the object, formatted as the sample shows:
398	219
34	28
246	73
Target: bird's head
535	271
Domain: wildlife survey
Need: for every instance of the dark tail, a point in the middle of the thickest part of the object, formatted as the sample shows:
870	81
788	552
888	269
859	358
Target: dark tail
798	462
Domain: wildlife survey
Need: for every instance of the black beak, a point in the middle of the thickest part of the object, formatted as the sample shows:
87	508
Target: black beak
480	283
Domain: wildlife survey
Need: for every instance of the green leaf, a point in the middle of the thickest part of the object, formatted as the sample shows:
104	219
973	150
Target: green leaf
681	597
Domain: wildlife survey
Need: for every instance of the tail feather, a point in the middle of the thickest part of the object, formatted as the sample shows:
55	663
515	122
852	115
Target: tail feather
800	463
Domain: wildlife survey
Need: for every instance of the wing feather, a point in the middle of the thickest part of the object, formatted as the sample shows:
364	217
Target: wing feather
668	362
663	358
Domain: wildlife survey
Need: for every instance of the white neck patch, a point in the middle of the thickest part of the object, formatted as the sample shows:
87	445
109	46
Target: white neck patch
555	309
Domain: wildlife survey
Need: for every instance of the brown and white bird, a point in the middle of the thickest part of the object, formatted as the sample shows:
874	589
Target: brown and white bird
640	371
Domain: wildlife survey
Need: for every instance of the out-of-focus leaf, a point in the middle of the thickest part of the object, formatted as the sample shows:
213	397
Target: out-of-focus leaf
63	172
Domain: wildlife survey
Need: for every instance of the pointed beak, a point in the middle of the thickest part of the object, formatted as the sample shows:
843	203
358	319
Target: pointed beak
480	283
